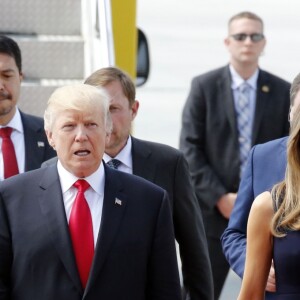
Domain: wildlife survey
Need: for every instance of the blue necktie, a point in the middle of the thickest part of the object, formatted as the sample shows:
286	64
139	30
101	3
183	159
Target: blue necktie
244	125
114	163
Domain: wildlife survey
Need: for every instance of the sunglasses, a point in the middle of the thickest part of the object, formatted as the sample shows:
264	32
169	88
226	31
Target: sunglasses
255	37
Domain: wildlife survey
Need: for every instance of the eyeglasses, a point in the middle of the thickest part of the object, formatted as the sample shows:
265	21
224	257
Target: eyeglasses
255	37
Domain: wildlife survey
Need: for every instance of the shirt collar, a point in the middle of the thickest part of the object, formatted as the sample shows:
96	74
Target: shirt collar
95	180
123	156
15	122
237	80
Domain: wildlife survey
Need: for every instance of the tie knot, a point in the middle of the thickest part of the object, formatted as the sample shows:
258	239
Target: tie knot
244	87
114	163
5	132
81	185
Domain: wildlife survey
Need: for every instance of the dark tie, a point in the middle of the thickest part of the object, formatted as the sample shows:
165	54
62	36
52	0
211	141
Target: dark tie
114	163
81	230
244	125
8	152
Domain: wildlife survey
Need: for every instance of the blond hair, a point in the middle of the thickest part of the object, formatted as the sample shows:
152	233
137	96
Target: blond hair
286	194
78	97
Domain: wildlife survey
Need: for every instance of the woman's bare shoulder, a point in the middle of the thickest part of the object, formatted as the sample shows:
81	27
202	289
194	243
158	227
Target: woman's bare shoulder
262	204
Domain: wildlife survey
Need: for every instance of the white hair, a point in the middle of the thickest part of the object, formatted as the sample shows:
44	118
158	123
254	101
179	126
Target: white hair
77	97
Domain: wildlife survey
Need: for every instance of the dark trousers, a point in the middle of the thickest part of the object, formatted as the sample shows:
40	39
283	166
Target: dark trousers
219	264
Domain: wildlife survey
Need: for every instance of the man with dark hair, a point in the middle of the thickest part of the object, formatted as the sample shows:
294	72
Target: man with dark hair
228	110
24	145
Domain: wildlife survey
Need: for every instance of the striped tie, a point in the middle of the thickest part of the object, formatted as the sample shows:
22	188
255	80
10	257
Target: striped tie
243	120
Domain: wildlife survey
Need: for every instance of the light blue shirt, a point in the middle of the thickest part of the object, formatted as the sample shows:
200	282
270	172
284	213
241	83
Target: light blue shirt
124	156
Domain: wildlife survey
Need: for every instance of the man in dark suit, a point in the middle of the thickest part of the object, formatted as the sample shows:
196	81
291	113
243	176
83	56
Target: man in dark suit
265	167
164	166
78	229
212	136
28	135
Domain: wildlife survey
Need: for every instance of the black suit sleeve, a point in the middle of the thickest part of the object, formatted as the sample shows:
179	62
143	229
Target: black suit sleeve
5	255
163	278
190	235
208	186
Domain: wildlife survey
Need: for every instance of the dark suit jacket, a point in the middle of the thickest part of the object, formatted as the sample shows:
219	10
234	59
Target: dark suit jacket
265	167
135	255
166	167
209	136
37	148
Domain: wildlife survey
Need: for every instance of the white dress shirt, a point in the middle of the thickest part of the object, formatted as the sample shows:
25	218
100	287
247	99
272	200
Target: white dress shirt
124	156
17	137
94	194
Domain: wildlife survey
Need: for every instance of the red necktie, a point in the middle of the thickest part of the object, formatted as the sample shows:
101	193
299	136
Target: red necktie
8	153
81	230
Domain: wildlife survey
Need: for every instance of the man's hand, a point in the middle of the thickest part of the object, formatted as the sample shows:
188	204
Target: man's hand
271	283
226	203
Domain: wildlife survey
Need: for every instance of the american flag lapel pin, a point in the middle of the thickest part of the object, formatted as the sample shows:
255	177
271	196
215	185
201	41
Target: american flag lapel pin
40	144
118	201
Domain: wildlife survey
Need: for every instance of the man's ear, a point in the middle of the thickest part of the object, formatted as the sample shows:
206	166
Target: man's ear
50	138
226	41
21	76
107	137
135	107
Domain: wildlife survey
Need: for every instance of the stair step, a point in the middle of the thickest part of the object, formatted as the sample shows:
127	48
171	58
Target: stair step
35	94
60	57
41	17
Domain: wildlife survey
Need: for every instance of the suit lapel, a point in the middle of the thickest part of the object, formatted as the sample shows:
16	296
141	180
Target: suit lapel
52	208
226	96
140	160
262	98
34	147
283	153
114	205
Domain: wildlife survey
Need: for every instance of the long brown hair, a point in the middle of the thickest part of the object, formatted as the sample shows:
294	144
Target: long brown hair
286	194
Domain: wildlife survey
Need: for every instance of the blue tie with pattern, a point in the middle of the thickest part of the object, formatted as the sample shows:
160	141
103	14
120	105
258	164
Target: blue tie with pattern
114	163
243	122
